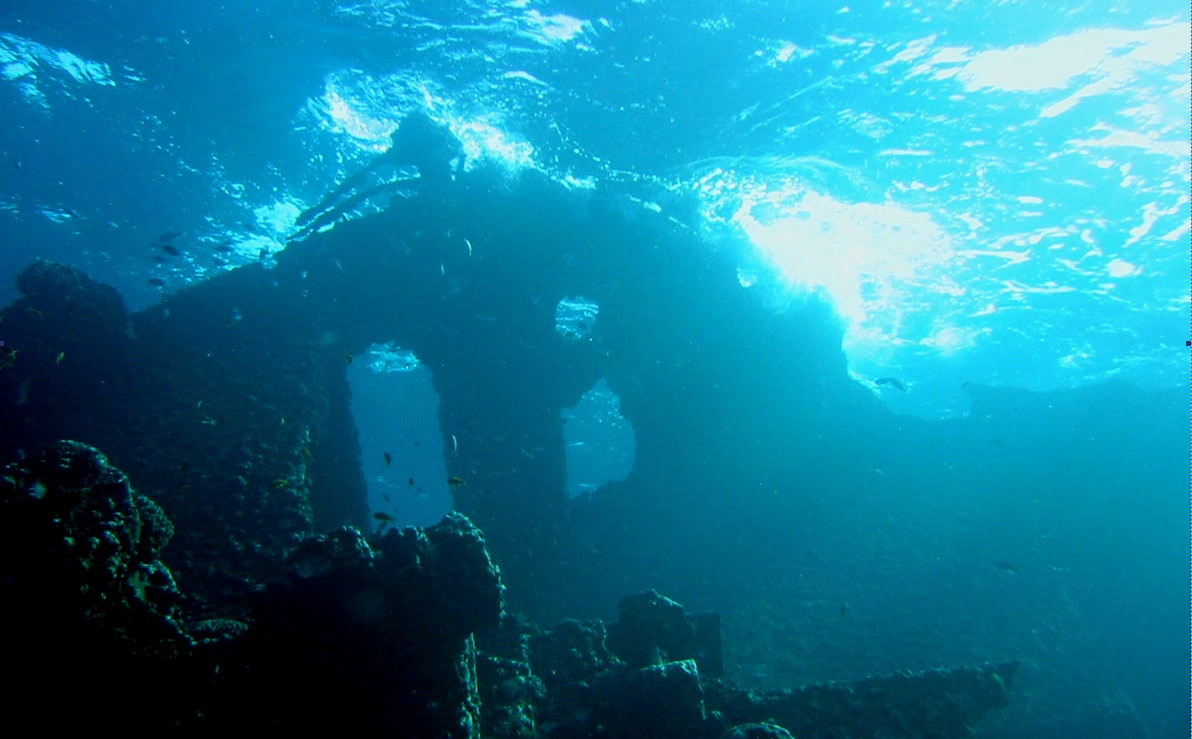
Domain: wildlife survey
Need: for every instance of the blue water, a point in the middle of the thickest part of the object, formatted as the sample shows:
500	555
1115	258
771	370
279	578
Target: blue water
995	195
990	193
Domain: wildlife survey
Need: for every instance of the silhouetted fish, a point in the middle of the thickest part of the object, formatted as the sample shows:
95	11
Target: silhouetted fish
167	236
456	481
156	281
388	459
170	249
383	517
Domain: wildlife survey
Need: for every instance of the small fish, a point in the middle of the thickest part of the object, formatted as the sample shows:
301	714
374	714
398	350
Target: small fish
388	459
383	517
156	282
35	313
170	249
167	236
61	356
454	444
280	483
348	358
455	482
410	482
1006	566
893	382
469	245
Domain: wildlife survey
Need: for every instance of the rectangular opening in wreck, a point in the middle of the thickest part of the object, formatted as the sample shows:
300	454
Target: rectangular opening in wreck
396	410
600	441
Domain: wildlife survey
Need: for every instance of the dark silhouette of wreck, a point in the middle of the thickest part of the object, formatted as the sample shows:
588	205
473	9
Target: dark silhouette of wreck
226	406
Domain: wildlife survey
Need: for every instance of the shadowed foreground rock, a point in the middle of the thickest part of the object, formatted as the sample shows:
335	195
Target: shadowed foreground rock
355	637
933	704
401	634
641	677
89	618
372	636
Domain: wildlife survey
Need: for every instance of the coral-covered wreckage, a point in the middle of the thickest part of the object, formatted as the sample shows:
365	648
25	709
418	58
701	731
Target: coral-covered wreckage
213	575
404	633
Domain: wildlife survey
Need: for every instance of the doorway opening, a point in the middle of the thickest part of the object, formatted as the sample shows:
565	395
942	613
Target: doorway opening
396	410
